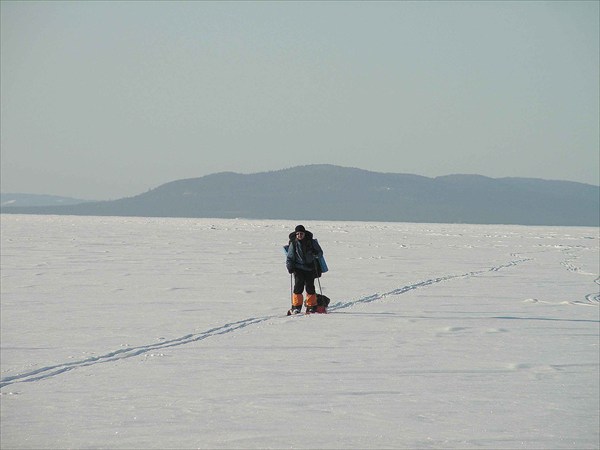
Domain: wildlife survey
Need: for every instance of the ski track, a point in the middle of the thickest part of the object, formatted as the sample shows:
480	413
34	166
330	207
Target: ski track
54	370
410	287
594	297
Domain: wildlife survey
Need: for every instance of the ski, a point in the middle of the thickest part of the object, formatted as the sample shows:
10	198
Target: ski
320	310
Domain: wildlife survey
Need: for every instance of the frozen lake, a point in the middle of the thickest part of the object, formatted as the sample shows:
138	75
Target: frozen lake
171	333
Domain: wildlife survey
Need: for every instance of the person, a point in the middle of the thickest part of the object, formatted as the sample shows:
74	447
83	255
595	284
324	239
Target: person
302	261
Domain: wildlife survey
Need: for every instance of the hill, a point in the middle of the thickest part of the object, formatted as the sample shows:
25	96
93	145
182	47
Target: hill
327	192
36	200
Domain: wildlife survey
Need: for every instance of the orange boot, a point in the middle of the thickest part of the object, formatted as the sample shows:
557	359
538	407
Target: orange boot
296	303
311	303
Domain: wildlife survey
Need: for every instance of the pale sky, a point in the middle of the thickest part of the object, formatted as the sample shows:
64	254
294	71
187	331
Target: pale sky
102	100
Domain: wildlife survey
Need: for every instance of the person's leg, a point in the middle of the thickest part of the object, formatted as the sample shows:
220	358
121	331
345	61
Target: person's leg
311	295
297	297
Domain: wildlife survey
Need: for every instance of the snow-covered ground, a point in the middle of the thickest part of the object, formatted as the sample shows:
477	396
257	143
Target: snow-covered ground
171	333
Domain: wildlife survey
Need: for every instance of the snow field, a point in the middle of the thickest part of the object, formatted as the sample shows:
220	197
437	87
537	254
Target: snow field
171	333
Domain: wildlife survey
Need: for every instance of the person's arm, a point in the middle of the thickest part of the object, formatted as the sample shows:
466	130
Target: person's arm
318	251
290	258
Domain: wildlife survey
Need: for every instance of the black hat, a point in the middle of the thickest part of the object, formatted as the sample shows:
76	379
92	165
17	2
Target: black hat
300	228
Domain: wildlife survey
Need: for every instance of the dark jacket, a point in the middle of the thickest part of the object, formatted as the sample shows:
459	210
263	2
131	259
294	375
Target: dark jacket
302	254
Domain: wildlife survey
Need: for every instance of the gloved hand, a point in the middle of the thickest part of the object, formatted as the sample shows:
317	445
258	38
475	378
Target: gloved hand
290	270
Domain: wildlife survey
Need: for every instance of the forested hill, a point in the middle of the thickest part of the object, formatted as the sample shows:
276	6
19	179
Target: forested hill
327	192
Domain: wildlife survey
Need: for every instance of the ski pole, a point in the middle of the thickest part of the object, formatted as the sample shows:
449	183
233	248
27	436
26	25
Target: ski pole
318	278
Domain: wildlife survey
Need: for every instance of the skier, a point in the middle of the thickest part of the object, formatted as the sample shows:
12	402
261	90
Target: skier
302	261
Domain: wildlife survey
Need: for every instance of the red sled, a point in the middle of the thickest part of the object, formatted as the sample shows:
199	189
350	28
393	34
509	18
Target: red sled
322	304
